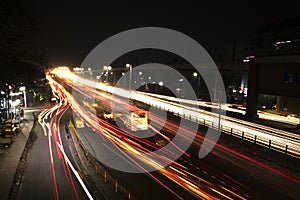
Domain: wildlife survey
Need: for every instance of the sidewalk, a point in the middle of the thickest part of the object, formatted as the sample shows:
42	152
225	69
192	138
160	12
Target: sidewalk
9	164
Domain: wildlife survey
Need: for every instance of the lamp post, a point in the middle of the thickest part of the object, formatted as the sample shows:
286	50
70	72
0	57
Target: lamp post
23	89
195	74
107	68
181	86
8	89
130	74
90	73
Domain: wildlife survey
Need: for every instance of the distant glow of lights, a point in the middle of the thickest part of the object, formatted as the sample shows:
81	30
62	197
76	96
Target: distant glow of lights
283	42
107	67
78	69
15	93
180	177
180	109
22	88
15	103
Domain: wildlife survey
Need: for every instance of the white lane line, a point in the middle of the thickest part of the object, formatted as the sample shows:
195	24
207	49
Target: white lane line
75	172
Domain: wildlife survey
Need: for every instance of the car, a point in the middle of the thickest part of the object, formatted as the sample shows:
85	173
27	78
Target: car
294	118
79	122
161	142
107	114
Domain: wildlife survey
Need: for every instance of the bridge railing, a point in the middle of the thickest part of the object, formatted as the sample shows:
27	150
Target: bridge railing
274	144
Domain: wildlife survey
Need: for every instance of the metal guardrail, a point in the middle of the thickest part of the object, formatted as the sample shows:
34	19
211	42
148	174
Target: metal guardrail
286	148
282	147
291	150
102	170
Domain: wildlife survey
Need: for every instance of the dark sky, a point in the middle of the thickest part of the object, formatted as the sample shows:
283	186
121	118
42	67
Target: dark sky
69	30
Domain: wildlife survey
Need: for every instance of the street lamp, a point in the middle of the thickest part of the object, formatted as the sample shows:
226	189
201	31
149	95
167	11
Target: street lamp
181	86
195	74
23	89
90	72
130	74
107	68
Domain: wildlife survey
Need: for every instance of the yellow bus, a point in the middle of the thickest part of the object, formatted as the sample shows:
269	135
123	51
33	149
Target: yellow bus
135	120
79	123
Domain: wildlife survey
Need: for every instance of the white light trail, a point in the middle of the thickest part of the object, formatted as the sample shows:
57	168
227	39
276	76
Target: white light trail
75	172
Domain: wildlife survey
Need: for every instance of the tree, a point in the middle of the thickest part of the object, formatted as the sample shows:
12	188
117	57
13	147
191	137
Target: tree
17	57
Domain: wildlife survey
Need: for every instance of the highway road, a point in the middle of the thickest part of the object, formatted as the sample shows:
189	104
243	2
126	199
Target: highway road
48	175
238	176
283	141
223	174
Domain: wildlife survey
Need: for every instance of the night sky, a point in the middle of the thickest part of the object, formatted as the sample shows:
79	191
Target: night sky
68	30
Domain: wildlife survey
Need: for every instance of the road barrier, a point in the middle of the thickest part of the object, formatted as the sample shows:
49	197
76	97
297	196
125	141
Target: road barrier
101	170
254	134
291	150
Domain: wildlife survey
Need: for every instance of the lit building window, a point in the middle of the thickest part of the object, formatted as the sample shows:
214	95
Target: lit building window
291	78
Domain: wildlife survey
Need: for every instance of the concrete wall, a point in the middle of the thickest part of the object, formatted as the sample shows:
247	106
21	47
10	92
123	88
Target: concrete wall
271	75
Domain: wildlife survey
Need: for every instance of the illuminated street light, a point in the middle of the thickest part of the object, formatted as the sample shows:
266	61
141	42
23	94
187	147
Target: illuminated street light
90	72
195	74
23	89
130	74
181	86
107	68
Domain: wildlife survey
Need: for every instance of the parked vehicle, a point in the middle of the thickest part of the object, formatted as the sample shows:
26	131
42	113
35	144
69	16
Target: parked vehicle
294	118
79	123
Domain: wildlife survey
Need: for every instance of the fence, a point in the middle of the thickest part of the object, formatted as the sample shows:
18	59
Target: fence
101	170
291	150
277	145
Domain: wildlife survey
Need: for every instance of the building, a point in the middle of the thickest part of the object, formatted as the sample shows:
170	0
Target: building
278	76
275	69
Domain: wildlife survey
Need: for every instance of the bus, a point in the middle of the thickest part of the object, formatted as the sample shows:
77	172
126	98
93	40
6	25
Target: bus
133	119
79	123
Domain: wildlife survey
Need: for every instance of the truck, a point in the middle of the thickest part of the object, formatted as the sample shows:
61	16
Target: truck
134	119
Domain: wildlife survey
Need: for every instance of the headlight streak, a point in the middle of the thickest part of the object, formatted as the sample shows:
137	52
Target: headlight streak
124	142
266	134
74	171
53	167
47	127
247	158
121	143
